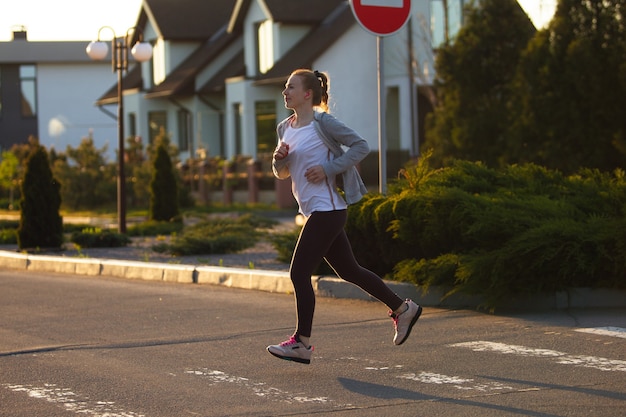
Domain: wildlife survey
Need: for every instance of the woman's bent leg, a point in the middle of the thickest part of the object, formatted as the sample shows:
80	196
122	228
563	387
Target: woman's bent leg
341	258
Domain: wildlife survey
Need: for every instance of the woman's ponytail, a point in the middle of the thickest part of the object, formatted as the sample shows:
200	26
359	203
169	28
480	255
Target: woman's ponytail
318	83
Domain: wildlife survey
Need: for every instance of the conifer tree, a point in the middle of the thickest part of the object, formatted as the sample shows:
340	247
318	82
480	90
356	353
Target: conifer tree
41	225
571	89
163	188
474	74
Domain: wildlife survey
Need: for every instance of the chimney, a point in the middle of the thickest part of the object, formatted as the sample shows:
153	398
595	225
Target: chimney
20	35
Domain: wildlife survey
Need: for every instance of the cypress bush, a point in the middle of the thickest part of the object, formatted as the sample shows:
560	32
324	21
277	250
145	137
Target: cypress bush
163	188
41	225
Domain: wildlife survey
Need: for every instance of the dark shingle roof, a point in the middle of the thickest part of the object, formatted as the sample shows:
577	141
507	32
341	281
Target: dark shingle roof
132	80
188	19
301	11
287	11
329	19
235	68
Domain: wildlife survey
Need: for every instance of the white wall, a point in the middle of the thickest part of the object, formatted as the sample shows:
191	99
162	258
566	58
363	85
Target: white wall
351	65
66	95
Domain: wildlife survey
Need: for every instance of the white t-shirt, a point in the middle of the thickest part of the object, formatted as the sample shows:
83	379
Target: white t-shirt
306	149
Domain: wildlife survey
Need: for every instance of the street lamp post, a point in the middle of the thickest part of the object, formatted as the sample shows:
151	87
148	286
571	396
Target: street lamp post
141	51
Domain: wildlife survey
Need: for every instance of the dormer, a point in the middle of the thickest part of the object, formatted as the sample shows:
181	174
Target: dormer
272	27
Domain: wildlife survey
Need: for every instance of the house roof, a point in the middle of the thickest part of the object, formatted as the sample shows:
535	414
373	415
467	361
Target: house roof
235	68
182	20
286	11
190	20
332	17
309	48
132	81
181	79
21	51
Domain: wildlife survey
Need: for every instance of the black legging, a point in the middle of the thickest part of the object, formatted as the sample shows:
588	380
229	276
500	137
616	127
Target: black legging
323	237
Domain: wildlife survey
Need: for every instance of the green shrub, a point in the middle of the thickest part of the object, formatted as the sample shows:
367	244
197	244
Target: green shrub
98	238
285	243
74	227
155	228
218	235
8	236
496	233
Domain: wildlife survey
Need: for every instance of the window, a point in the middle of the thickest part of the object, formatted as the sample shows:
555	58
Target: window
28	93
184	122
132	124
237	113
265	112
157	125
265	46
438	16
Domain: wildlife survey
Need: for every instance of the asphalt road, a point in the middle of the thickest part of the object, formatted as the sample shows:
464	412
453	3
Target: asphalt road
91	346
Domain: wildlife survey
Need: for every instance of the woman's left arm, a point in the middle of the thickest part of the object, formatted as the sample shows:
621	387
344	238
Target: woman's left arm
358	148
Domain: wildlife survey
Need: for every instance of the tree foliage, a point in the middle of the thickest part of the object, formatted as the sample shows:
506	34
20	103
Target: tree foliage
555	99
41	225
9	173
88	181
571	89
474	83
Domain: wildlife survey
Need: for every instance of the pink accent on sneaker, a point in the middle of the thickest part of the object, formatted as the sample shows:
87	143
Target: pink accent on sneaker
404	322
291	341
292	350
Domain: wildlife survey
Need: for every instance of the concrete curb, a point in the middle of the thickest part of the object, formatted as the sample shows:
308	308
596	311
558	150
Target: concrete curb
279	282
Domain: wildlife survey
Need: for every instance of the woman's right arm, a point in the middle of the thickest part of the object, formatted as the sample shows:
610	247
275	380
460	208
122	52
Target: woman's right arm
279	161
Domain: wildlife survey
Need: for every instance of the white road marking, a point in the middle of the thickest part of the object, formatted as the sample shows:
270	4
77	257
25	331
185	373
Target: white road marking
438	379
258	388
71	401
605	331
455	381
602	364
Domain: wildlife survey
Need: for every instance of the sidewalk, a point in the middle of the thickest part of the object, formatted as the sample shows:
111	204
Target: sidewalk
279	282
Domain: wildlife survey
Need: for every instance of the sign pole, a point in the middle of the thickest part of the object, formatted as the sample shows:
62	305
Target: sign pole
381	18
382	140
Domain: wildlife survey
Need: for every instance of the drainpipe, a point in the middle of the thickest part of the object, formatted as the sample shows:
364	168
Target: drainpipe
413	95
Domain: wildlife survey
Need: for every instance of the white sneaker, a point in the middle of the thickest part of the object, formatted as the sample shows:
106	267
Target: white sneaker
404	322
292	350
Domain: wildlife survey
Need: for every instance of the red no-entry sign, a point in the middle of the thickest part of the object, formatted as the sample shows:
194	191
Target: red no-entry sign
381	17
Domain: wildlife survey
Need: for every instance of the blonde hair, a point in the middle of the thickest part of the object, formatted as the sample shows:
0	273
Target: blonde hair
317	82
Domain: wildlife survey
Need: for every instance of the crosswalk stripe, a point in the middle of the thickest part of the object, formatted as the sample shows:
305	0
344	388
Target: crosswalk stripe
603	364
72	401
605	331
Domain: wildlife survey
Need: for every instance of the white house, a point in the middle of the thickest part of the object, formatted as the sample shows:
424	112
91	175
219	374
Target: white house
47	90
214	83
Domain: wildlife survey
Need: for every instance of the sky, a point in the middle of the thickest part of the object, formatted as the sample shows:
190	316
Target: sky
80	20
68	20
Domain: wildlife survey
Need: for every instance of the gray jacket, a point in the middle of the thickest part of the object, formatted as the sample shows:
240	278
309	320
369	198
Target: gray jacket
334	134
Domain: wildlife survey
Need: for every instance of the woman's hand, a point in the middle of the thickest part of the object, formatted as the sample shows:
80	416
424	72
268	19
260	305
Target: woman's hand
281	151
315	174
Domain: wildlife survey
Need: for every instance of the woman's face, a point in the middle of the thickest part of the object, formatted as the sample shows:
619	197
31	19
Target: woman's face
294	93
